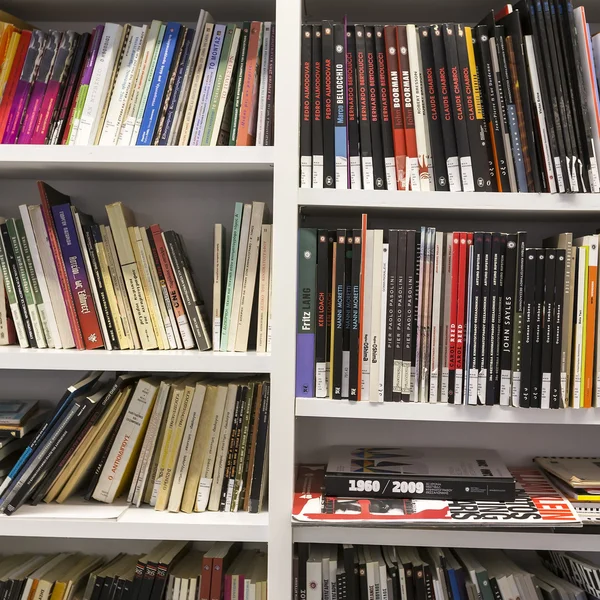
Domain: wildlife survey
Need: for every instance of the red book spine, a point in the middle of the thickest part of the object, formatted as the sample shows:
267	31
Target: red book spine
60	267
205	579
504	11
393	73
216	583
13	79
461	307
453	316
363	249
412	162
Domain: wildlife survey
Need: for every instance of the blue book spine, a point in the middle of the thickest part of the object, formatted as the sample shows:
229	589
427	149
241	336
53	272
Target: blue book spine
454	584
340	112
170	117
159	83
306	317
210	74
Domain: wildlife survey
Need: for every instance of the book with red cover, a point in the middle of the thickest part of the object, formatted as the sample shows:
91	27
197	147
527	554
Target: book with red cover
461	309
49	196
221	563
13	79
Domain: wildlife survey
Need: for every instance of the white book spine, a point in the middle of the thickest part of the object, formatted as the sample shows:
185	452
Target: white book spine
139	82
269	309
541	117
227	79
195	86
239	278
416	371
383	319
445	340
218	255
314	580
326	574
264	288
96	96
436	318
375	345
365	380
264	81
46	309
123	86
249	280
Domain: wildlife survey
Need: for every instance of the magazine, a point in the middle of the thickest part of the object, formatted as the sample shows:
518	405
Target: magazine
538	504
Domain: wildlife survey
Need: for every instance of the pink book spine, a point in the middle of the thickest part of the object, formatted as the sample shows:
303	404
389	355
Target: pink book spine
33	111
16	112
43	124
227	590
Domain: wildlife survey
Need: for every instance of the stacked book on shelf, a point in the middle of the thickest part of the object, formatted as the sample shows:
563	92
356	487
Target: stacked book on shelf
456	317
161	84
427	487
69	282
508	105
358	572
173	570
186	444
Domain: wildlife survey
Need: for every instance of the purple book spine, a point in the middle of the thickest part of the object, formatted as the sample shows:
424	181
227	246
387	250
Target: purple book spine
89	65
24	85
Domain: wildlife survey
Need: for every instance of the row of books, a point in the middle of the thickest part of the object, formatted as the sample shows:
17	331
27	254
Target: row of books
356	572
509	105
457	317
170	570
158	84
188	444
71	282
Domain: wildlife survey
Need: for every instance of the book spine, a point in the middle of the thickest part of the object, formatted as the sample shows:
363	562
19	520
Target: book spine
365	316
316	114
460	315
270	111
557	329
492	325
409	325
364	120
353	118
340	109
306	104
399	317
475	320
547	328
374	113
518	319
354	372
486	284
375	316
321	375
328	55
217	285
528	327
347	315
257	486
591	310
447	319
433	394
390	315
261	115
507	319
536	361
453	333
305	321
239	85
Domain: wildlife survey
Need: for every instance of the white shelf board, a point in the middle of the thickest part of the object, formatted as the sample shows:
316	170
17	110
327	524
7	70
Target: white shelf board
548	204
455	538
13	357
136	162
446	413
69	520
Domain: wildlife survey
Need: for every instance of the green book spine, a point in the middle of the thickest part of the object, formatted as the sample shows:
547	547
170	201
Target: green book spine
34	315
35	288
485	588
12	298
79	105
218	87
239	85
235	242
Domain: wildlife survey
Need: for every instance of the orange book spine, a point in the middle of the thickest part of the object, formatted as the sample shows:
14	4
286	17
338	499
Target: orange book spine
590	334
13	79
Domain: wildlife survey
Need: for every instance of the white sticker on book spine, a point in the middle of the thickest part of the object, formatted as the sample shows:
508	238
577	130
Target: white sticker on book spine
505	387
186	332
433	387
216	333
321	380
453	167
414	177
458	387
516	388
367	173
345	375
317	172
444	384
473	384
390	173
203	494
466	172
306	172
355	178
341	173
563	389
405	378
546	386
560	179
397	377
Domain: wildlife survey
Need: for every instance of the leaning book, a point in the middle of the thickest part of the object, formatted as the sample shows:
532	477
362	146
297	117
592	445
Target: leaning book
537	504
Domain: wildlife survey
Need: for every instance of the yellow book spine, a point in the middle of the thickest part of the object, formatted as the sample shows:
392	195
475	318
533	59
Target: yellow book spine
8	60
58	591
474	76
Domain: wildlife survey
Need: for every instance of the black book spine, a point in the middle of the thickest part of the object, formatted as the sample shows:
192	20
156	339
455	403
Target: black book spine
420	585
458	109
547	326
349	556
354	382
410	290
323	283
538	320
330	307
353	129
137	579
484	345
414	351
13	269
305	103
518	318
476	281
100	287
364	112
347	314
557	327
395	485
379	177
317	107
340	110
472	111
528	328
494	305
434	108
302	560
338	313
383	98
390	316
328	101
429	592
497	349
148	581
410	586
256	487
506	317
270	110
446	118
97	591
230	462
399	316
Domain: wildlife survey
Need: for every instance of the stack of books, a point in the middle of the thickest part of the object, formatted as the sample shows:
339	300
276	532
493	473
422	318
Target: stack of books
428	487
188	444
458	317
171	570
578	479
351	572
508	105
127	85
68	281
